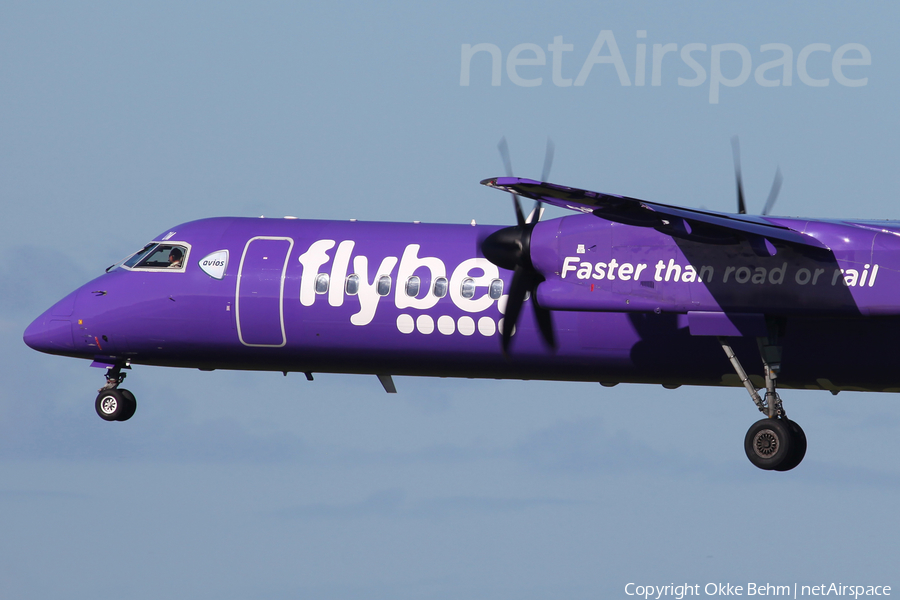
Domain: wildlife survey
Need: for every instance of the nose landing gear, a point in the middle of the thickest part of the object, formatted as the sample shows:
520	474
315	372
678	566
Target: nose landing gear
775	443
112	403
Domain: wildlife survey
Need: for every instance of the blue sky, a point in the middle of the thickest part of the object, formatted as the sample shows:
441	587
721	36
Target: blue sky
118	121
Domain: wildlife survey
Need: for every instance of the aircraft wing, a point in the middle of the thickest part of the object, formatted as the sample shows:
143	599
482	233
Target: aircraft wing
688	223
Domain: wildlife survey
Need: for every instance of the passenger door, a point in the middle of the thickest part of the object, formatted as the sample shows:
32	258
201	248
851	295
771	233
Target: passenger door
259	298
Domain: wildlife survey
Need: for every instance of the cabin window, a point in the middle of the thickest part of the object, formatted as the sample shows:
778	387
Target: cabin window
322	283
467	288
159	256
412	286
352	285
384	285
440	287
496	289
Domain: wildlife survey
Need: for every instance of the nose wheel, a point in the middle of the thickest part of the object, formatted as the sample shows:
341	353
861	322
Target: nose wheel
775	444
113	403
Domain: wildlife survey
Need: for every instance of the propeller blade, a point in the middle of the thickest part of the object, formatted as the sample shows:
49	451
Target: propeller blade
538	211
520	218
545	324
518	287
773	193
736	153
503	147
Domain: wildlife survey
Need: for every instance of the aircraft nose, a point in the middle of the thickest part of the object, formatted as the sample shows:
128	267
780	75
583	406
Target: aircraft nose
52	331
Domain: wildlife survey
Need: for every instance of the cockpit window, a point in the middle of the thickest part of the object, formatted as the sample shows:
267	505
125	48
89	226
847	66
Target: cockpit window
159	256
137	256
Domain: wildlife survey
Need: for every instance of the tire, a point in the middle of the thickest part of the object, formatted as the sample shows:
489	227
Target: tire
798	447
768	443
130	405
110	405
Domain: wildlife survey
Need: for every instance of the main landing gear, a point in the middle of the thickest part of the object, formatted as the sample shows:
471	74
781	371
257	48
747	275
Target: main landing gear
114	404
774	443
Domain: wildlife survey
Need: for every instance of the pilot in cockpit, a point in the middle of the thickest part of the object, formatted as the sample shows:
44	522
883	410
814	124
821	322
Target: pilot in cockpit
175	258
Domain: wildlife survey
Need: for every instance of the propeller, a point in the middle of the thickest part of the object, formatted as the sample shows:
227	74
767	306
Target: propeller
773	193
510	248
736	153
538	210
503	147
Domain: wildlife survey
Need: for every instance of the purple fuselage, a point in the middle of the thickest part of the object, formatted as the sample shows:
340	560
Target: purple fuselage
630	303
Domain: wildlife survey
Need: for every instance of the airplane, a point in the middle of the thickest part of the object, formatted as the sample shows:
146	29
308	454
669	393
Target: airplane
622	290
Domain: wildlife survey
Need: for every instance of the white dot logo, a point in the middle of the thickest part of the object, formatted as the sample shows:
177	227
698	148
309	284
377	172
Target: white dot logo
466	325
405	324
446	325
486	326
425	324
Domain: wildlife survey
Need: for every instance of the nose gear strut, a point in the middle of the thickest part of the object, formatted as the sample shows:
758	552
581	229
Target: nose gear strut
769	405
114	376
774	443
